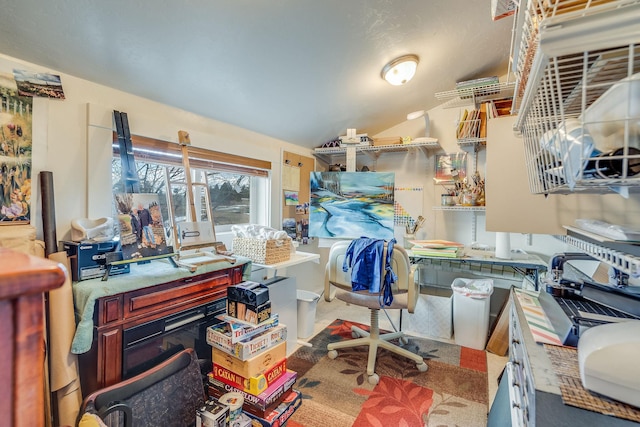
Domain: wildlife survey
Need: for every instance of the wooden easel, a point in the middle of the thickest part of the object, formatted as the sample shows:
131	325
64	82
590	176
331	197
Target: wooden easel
200	256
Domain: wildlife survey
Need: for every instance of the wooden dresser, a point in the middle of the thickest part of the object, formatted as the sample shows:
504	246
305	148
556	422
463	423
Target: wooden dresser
129	301
23	281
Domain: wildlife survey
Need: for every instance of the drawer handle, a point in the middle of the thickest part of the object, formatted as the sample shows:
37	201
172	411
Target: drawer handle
516	405
515	384
515	341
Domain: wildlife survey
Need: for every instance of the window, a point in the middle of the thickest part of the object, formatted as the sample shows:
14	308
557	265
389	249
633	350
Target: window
229	188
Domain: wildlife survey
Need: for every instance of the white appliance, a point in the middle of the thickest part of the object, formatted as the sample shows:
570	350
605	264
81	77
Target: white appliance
608	360
284	301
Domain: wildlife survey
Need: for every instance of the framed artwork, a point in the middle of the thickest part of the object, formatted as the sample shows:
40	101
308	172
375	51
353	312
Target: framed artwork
142	232
43	85
351	205
15	153
289	226
290	198
450	168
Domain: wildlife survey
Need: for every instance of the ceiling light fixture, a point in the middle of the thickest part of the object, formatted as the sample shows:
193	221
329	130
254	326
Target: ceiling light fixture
400	70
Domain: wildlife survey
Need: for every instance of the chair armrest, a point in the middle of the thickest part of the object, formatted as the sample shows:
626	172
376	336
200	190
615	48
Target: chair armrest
328	295
413	288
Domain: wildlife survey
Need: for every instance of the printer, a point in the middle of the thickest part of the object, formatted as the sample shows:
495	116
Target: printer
89	259
576	302
608	360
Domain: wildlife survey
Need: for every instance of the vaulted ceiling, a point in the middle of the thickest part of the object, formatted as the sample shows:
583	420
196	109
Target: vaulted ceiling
301	71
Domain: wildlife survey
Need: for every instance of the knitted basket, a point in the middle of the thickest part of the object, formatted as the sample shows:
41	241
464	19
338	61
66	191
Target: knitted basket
263	251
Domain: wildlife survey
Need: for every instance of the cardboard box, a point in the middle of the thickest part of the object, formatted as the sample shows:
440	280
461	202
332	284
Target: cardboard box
290	404
212	414
235	330
433	315
263	403
88	260
254	366
391	140
249	347
254	385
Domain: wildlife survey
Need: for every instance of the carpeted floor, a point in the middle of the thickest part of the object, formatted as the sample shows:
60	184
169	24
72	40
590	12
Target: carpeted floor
453	391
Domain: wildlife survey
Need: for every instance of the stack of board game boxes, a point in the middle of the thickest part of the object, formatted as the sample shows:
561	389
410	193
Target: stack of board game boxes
249	358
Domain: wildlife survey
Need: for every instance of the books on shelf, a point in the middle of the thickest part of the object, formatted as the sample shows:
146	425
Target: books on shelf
437	248
482	86
470	125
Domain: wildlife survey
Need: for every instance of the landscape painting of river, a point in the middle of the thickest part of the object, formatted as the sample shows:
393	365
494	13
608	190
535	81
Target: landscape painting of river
351	205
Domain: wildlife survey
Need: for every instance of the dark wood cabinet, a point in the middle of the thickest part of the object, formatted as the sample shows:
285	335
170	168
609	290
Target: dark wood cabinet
102	365
23	281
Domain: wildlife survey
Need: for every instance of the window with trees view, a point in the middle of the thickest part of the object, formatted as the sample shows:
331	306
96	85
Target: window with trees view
230	192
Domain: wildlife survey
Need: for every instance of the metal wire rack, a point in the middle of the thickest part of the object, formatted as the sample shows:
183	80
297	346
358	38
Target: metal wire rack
622	261
578	95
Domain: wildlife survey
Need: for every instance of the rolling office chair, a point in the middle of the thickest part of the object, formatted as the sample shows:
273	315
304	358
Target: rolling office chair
405	296
167	394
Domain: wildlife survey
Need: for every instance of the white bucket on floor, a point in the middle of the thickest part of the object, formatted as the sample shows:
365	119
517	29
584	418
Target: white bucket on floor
307	303
471	310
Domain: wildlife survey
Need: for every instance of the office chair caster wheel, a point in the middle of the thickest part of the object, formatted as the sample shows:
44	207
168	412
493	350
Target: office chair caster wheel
332	354
422	367
373	379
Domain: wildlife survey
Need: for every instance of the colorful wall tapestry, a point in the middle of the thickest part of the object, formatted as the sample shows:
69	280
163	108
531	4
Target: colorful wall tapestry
351	205
15	153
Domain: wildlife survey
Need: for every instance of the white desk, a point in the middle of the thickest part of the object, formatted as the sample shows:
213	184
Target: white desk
296	258
485	263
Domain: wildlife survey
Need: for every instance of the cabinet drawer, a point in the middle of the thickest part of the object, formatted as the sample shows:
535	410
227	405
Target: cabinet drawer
109	310
176	294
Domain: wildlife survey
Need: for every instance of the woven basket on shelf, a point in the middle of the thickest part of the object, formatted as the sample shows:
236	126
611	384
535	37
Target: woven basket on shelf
263	251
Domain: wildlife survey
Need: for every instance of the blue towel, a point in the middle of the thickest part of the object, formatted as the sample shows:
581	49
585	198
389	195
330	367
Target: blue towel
364	257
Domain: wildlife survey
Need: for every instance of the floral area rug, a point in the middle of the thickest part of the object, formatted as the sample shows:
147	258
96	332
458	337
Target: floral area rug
452	392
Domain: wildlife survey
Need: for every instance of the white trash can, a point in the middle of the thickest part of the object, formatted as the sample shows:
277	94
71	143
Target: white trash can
307	303
471	304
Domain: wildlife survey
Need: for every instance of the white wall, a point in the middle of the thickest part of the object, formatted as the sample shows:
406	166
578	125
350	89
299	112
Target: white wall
418	168
72	139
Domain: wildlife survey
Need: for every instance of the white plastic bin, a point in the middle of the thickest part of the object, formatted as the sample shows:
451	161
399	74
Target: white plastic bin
471	304
307	303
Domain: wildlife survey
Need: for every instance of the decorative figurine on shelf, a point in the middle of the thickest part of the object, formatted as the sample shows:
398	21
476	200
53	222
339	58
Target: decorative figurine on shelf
478	188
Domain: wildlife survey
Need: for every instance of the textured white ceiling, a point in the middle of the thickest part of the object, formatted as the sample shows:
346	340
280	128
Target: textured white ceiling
302	71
